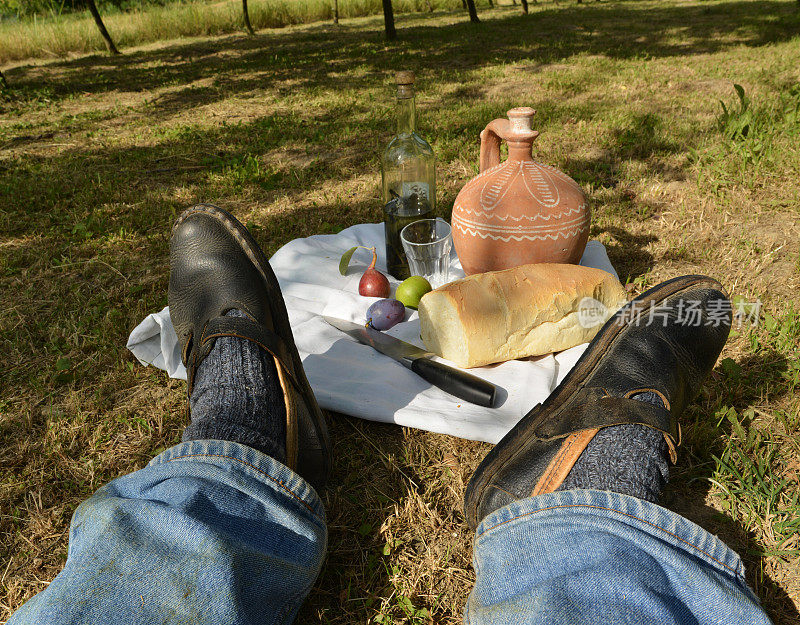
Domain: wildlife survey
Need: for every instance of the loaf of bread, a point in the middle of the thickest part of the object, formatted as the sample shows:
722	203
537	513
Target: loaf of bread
525	311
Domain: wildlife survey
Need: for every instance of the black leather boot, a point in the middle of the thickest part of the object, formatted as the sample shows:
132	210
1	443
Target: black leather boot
665	341
216	266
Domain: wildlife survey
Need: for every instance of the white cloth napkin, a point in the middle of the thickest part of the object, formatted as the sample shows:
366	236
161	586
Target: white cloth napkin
355	379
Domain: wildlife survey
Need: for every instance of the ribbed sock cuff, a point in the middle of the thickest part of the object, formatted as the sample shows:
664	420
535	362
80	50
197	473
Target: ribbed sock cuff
237	397
629	459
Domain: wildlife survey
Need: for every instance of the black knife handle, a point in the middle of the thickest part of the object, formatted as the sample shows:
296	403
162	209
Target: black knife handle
464	385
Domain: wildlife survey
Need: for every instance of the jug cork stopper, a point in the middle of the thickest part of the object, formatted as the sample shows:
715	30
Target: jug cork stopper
520	120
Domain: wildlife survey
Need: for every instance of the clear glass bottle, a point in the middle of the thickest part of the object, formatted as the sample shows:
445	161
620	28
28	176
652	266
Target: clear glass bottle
408	169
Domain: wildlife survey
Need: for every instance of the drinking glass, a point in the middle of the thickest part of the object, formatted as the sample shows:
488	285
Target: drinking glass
427	244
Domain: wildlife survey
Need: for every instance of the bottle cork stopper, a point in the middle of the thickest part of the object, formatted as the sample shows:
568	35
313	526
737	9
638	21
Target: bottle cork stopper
405	77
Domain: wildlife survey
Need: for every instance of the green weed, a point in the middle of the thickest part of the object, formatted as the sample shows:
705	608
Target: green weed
757	483
755	138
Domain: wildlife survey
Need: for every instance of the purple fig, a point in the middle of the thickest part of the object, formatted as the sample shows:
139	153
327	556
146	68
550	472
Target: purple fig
385	313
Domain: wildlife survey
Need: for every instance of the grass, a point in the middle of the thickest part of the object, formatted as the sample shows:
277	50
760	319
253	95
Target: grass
759	139
58	36
99	155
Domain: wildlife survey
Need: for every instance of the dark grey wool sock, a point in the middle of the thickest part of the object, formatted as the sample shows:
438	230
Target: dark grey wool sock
237	397
629	459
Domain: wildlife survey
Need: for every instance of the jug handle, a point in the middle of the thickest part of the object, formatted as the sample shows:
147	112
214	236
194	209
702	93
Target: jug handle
495	131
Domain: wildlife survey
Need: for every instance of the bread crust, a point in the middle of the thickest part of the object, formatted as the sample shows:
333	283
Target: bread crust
528	310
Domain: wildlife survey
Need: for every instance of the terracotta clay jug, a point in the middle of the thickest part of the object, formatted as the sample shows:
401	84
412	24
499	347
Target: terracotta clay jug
518	211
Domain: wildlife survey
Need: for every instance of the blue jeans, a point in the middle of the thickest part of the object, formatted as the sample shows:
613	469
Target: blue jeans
213	532
597	557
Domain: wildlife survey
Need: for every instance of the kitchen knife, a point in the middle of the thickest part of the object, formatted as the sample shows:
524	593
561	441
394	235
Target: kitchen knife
451	380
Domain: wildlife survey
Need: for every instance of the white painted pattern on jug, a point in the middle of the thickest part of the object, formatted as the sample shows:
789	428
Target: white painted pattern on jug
526	237
537	217
581	220
538	179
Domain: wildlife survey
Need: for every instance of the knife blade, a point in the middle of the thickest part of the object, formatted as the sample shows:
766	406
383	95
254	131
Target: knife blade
451	380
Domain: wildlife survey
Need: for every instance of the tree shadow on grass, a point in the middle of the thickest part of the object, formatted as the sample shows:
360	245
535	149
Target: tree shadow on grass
778	604
753	378
640	137
317	56
369	477
384	476
627	252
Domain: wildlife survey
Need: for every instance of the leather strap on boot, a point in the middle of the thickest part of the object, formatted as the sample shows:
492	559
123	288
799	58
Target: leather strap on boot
588	412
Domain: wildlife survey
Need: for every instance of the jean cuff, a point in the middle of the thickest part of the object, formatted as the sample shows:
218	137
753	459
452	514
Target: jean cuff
245	460
607	506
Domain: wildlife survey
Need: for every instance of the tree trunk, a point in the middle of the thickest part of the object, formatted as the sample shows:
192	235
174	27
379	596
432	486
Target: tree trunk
246	15
3	82
430	6
99	21
473	12
388	19
464	4
336	12
524	6
491	4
